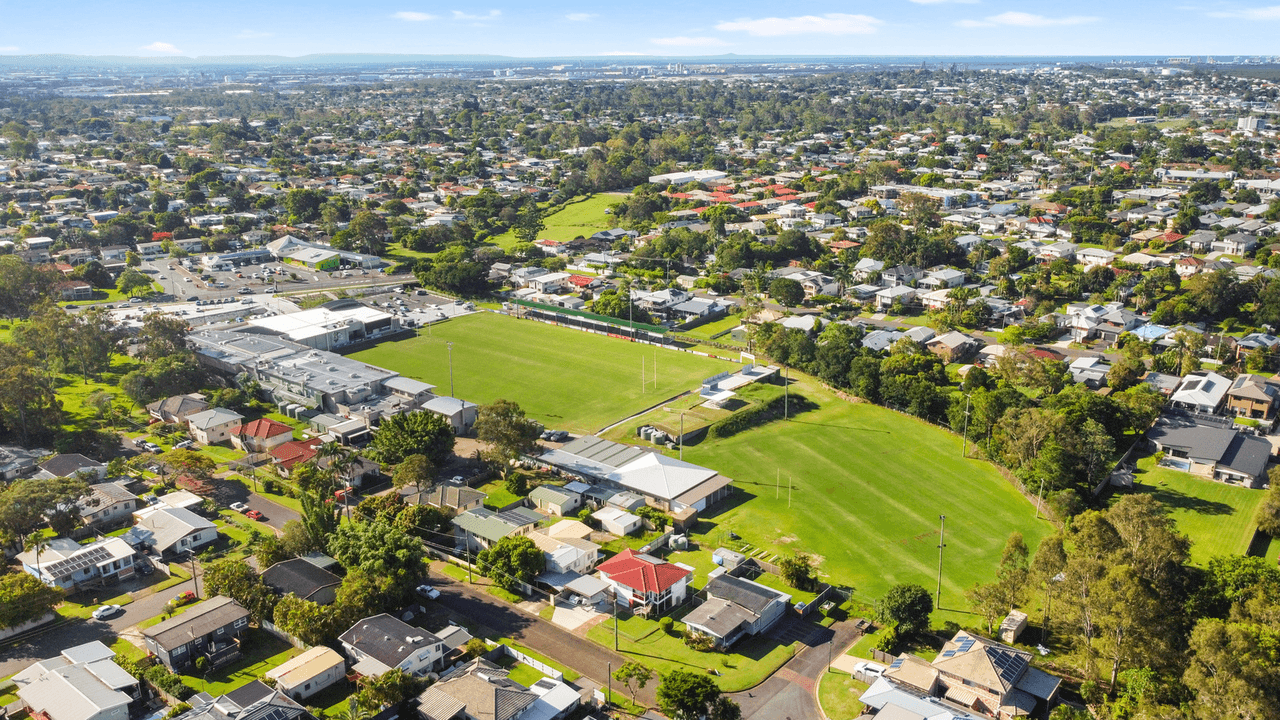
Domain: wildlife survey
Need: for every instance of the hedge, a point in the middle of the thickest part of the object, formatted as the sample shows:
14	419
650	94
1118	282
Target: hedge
759	415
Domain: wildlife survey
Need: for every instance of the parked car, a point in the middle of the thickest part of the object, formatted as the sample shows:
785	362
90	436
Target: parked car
193	298
559	436
184	445
185	598
254	515
135	301
239	507
110	611
143	566
245	291
427	592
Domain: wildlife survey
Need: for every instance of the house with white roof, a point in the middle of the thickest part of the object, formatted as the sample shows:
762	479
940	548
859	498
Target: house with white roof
67	564
174	531
1203	392
81	683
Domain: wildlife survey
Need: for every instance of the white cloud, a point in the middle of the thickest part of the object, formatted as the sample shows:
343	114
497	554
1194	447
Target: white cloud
682	41
162	47
580	17
412	16
1021	19
253	34
1262	13
459	15
8	49
828	24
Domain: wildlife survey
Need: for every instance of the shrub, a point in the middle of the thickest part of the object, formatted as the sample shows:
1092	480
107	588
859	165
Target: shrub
666	624
758	415
169	682
697	641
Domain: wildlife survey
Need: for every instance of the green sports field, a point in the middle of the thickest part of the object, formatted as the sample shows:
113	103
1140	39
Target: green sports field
1217	517
584	216
869	485
566	379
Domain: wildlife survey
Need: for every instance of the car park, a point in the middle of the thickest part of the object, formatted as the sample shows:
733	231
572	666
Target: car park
107	611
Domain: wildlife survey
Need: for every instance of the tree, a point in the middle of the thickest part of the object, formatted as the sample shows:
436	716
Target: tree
798	571
511	561
509	434
988	601
908	606
379	549
189	462
1125	373
163	335
389	688
416	470
24	598
368	232
724	708
786	292
634	676
238	581
25	503
421	432
529	223
310	622
1268	513
686	696
1233	671
618	304
132	282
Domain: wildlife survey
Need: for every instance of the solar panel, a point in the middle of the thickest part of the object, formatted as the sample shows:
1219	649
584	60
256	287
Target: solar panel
79	561
948	653
967	644
896	664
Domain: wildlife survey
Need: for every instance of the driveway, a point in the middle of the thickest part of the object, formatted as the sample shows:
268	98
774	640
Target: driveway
498	618
18	656
275	514
791	692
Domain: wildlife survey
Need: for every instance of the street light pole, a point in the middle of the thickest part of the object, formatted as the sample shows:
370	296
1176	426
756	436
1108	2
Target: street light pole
450	344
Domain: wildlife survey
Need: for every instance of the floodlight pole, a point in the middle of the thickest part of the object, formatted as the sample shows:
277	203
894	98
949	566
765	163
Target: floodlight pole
942	537
786	392
964	447
450	344
682	436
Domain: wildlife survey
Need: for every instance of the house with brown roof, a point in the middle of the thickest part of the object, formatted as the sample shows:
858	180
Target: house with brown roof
178	408
261	436
1253	396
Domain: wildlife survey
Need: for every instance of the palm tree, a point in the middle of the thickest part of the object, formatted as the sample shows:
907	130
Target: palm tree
352	711
38	542
341	460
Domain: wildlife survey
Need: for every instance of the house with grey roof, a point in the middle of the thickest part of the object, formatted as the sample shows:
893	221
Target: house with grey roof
1253	396
481	689
454	496
174	531
736	608
212	426
381	643
480	528
555	500
1218	453
303	579
178	408
210	630
460	413
107	504
254	701
73	464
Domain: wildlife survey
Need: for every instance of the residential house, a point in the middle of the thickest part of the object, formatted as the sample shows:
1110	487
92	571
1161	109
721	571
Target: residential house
866	267
213	426
479	691
900	275
304	579
454	496
943	279
260	436
309	673
480	527
970	675
81	683
1221	454
254	701
898	293
1096	257
460	413
566	555
1188	266
67	564
16	462
1235	244
107	504
953	346
617	521
736	608
175	531
211	630
1200	241
1202	392
1253	396
1089	371
381	643
74	465
643	580
555	500
178	408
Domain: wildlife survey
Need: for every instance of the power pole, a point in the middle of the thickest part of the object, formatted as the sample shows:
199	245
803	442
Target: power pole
964	448
786	392
942	538
195	578
609	697
468	557
682	436
615	620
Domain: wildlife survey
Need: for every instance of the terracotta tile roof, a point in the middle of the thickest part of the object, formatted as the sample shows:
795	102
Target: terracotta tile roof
262	428
633	570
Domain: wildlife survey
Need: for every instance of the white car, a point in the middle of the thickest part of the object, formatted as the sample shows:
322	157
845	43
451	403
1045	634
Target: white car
239	507
107	611
427	592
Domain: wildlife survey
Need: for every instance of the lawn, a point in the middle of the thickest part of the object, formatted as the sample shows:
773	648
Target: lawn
866	643
868	487
838	694
566	379
569	674
1217	517
73	392
750	662
262	652
715	327
222	455
498	495
583	216
81	605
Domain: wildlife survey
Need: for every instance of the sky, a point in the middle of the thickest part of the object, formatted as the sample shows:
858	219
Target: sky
651	27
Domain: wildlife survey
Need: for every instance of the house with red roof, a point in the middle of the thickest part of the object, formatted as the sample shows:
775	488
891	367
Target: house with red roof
261	435
643	580
289	454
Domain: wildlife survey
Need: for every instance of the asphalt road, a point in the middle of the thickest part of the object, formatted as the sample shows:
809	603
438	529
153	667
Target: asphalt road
501	619
791	692
77	632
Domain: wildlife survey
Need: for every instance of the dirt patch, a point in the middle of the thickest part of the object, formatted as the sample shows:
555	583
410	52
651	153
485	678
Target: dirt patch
786	540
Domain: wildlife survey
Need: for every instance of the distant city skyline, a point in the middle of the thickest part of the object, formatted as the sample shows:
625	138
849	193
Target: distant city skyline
657	28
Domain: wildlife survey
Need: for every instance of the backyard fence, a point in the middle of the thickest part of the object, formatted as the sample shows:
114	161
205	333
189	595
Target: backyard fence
287	637
532	662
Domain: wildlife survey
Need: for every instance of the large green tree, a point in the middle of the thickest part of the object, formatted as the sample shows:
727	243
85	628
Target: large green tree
236	580
508	432
415	433
685	695
908	606
511	561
